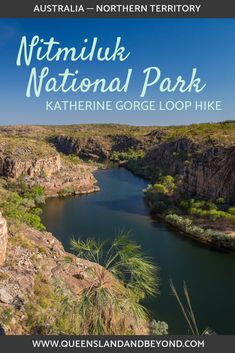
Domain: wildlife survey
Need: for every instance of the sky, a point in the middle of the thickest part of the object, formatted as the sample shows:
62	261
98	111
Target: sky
174	45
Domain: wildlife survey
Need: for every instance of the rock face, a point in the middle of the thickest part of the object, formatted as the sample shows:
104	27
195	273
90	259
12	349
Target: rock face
77	178
13	168
29	253
3	239
207	171
34	258
169	157
88	148
211	175
49	170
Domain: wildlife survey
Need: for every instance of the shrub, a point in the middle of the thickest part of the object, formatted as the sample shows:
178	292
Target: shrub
160	188
6	316
206	209
186	225
127	156
22	208
66	192
231	210
169	182
51	310
220	201
158	328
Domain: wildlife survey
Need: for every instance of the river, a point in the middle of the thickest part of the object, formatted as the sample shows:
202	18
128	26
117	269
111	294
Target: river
120	206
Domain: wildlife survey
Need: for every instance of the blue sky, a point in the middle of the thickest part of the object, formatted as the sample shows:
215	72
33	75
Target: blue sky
174	45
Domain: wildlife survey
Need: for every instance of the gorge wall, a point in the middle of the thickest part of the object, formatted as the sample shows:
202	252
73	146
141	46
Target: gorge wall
206	170
211	175
11	167
40	164
201	155
89	148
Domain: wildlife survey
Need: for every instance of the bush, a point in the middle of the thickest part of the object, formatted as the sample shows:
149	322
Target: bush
6	316
127	156
231	210
216	237
51	310
66	192
22	208
169	182
206	209
158	328
160	188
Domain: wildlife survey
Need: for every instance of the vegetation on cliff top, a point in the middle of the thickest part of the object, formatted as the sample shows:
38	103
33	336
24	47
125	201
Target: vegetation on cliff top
221	133
24	148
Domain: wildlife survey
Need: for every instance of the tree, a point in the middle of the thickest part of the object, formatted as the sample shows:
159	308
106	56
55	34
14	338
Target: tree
111	303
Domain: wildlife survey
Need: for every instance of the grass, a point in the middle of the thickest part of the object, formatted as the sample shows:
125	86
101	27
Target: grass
25	148
21	241
187	311
6	316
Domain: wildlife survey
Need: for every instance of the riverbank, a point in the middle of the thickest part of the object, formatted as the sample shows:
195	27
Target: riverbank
192	216
208	237
165	201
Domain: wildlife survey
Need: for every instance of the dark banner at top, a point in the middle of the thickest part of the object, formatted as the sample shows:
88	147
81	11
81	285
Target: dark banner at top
118	9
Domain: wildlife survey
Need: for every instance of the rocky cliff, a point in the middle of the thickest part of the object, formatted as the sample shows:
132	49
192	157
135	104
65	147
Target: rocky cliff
21	156
30	253
166	157
36	272
75	178
211	175
88	148
95	147
207	171
3	239
11	167
39	163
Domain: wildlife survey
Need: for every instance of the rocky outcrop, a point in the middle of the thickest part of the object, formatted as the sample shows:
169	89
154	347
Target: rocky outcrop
88	148
169	157
30	253
3	239
70	179
164	158
206	171
41	164
123	143
33	259
211	175
11	167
